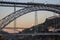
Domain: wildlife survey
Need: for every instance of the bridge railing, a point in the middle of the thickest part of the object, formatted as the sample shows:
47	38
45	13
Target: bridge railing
9	0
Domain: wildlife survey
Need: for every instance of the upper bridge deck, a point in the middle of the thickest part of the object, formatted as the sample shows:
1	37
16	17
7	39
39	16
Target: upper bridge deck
25	3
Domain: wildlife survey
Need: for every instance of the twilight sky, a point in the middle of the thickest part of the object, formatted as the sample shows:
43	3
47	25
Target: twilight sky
27	20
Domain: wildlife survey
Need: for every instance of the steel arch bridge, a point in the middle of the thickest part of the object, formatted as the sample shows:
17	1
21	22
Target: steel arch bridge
11	17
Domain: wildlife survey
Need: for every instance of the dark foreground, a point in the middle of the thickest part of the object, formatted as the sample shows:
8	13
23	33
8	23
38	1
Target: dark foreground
32	37
39	37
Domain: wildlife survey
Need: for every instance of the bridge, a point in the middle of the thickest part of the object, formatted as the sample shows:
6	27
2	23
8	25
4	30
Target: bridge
26	8
30	8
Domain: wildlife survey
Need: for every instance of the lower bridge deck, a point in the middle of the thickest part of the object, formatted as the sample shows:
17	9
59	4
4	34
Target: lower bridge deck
29	36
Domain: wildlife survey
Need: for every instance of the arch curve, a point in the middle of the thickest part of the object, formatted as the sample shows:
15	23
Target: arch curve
8	19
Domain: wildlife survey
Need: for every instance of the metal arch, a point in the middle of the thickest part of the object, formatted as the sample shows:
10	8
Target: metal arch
8	19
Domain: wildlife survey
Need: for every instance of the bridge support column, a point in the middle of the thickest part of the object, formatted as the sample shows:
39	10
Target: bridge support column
36	21
15	19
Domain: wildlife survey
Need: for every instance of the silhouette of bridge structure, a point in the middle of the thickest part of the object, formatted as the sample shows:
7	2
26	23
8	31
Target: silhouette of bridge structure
27	7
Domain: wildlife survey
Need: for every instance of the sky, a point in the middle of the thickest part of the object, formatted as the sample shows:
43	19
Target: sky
27	20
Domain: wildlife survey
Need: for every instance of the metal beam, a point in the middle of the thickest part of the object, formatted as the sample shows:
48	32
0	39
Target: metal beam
19	3
13	28
38	34
12	5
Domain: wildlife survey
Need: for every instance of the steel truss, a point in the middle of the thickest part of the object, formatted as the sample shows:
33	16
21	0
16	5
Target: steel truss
6	20
28	7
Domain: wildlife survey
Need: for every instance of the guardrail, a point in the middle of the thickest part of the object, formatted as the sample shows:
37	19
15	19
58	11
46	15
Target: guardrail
37	34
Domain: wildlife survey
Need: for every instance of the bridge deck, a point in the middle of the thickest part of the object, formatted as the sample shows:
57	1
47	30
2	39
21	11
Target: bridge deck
38	34
19	3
